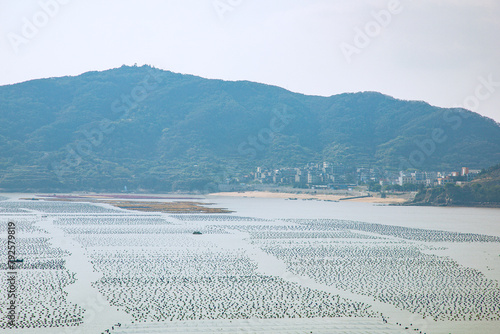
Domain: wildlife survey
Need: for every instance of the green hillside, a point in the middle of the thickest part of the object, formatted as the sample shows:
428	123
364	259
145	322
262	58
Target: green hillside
484	190
149	129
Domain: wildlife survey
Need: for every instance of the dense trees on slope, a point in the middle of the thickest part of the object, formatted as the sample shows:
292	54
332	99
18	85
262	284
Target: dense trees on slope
484	190
157	130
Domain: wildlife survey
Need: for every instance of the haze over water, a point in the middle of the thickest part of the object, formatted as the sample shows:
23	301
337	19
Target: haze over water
455	219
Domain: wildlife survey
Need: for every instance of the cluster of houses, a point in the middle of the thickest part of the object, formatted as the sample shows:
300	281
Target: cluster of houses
430	179
317	176
338	176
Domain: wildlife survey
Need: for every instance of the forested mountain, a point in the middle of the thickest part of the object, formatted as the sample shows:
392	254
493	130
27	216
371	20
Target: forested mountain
150	129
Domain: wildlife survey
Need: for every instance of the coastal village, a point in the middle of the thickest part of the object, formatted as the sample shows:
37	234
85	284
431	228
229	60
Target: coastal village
330	176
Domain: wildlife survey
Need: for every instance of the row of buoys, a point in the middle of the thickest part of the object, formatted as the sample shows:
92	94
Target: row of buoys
41	301
192	283
40	280
401	275
223	297
35	253
216	218
169	274
22	226
140	229
54	207
164	263
402	232
113	220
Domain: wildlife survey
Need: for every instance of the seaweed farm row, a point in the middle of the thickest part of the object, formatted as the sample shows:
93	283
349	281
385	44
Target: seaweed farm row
175	271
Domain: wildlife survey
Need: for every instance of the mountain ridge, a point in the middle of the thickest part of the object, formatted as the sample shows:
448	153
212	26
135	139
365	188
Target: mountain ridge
149	127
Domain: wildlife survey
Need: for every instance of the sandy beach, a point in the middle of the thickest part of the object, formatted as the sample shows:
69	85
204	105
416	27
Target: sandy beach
320	197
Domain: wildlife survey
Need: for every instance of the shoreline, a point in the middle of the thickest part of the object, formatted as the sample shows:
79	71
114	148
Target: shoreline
320	197
460	205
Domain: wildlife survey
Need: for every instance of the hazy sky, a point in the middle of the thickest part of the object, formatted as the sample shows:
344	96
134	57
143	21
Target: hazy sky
445	52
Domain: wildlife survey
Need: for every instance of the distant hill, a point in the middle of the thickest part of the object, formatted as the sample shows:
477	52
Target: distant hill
482	191
488	177
155	130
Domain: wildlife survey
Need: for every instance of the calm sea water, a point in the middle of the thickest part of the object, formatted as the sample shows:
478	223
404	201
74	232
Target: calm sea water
466	220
